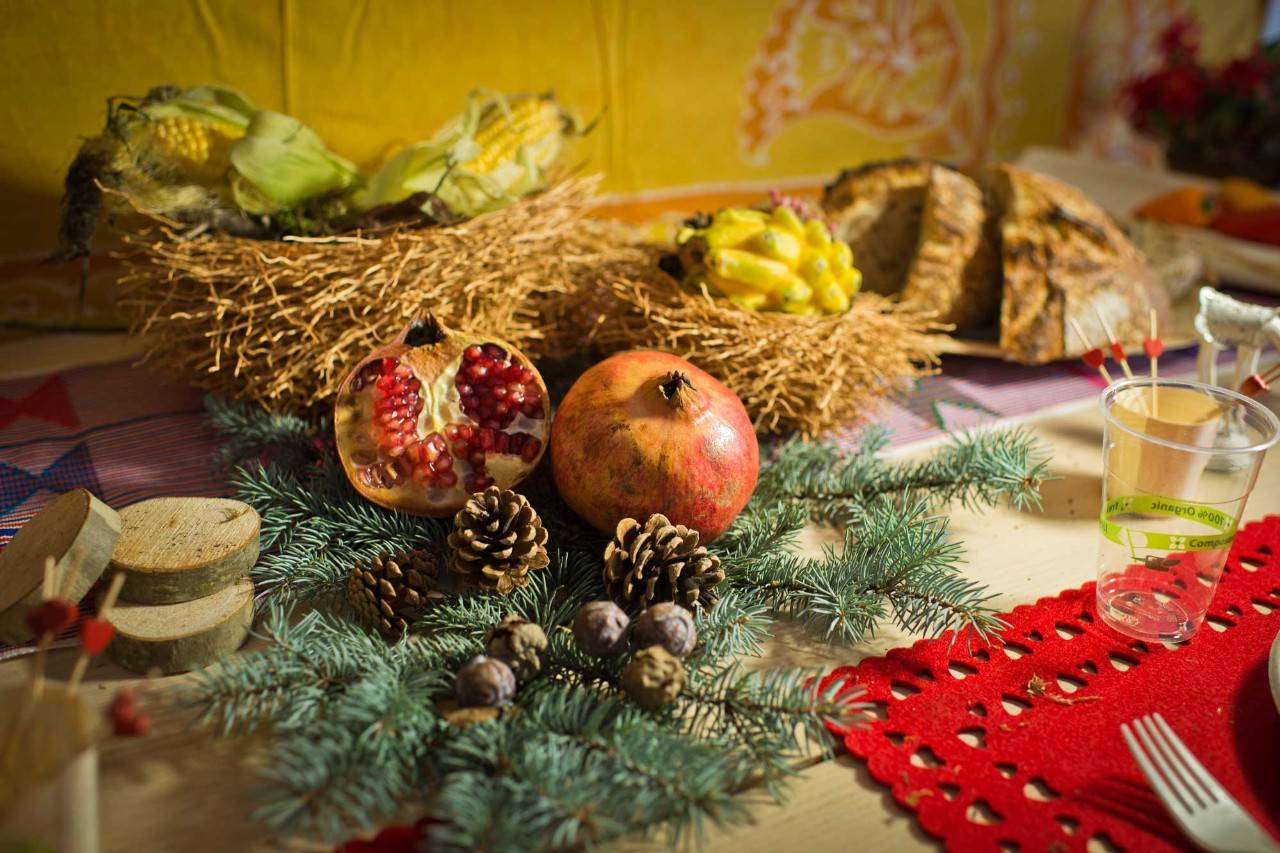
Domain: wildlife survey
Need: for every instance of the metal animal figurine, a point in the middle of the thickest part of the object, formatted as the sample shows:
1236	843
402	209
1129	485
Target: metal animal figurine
1225	322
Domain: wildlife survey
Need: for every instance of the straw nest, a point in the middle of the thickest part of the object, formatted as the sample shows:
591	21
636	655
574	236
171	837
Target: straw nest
808	374
281	322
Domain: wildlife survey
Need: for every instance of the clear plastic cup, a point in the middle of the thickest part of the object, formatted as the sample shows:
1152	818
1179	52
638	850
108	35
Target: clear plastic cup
1179	461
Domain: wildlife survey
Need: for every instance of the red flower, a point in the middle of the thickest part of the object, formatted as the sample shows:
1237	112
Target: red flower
1181	39
1176	92
1244	76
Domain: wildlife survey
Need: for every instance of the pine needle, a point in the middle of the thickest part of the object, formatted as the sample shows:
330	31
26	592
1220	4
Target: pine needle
355	723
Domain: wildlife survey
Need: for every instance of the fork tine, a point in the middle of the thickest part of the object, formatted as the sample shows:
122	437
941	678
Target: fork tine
1193	766
1150	739
1170	797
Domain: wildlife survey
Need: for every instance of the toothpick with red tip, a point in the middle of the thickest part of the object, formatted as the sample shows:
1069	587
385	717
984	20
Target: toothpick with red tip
1117	351
1093	357
1260	383
95	632
1154	348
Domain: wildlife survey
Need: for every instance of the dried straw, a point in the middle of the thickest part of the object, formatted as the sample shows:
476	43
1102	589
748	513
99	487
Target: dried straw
809	374
281	322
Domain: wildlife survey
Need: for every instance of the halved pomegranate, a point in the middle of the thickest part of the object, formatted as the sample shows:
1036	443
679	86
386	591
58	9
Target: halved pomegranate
435	415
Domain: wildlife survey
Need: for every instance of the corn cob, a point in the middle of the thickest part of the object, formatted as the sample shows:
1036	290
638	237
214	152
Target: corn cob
770	261
498	150
198	147
531	123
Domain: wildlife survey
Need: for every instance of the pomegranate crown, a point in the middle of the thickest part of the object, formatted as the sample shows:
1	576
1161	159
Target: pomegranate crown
676	388
425	330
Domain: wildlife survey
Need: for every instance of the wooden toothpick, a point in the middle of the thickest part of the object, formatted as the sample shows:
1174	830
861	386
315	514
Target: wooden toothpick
1154	348
1117	351
1093	356
108	601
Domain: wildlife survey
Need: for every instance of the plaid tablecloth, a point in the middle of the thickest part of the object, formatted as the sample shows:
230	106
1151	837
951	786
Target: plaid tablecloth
126	433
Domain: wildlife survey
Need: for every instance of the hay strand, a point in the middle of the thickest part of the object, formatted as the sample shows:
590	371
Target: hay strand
809	374
280	322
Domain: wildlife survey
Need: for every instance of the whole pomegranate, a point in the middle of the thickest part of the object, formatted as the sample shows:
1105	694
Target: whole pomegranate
435	415
644	432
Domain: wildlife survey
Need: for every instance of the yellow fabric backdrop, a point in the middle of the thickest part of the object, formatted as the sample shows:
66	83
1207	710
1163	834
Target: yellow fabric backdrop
689	93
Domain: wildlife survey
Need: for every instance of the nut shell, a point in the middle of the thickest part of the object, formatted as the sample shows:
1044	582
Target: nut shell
654	678
600	629
668	625
484	681
518	644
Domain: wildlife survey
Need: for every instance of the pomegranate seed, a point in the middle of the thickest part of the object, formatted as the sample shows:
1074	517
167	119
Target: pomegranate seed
444	462
530	451
517	442
469	403
501	409
465	390
446	479
476	459
451	430
493	424
472	352
476	371
385	382
500	442
485	439
526	375
495	351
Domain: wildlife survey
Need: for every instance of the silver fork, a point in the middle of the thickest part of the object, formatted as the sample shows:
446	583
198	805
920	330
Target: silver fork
1204	810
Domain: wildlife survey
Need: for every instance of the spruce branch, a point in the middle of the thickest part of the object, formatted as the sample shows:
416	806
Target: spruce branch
355	720
250	433
899	563
976	470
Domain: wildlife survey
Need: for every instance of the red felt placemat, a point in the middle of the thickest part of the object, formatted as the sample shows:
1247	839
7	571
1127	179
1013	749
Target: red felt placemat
993	751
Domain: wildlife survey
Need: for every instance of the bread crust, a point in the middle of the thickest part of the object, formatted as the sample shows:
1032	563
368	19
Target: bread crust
1063	258
954	271
876	208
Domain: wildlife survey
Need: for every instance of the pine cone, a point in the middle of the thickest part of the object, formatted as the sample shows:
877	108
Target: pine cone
497	540
659	562
387	591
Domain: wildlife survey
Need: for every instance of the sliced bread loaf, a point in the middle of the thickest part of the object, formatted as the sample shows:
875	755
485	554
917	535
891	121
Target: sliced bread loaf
917	229
1063	258
876	208
955	270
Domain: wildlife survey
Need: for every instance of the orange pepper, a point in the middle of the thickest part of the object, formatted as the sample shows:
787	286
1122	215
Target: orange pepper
1243	195
1185	206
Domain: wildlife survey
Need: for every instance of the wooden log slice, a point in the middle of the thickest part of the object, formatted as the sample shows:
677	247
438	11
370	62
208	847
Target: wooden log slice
180	637
79	532
180	549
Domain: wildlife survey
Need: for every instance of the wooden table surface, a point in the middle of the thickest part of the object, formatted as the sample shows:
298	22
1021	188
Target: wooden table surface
179	789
